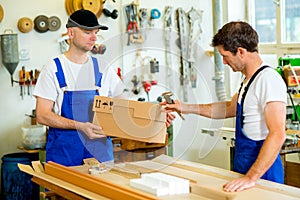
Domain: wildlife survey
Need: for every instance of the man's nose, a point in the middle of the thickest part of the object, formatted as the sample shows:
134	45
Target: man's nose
94	37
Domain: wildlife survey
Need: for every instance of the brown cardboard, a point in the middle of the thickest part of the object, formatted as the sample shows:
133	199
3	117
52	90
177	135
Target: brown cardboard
129	119
290	77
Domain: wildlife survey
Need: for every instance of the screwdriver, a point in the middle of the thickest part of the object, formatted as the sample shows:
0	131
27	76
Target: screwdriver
22	81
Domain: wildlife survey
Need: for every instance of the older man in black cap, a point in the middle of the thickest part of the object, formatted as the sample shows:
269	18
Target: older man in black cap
65	91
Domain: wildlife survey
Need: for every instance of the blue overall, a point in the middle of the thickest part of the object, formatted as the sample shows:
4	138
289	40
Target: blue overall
247	150
69	147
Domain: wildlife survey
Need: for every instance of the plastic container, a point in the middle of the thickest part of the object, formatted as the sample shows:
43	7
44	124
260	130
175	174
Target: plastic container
34	137
17	185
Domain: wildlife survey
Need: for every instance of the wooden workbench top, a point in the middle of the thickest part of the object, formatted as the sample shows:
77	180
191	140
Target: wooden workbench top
205	181
205	176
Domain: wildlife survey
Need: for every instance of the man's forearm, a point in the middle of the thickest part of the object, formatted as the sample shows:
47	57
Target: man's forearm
218	110
267	156
57	121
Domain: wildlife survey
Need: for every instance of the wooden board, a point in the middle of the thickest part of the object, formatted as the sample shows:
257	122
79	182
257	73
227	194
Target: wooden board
59	183
211	193
208	178
57	190
88	182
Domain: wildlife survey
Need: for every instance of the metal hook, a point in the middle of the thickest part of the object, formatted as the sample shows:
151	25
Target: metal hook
277	2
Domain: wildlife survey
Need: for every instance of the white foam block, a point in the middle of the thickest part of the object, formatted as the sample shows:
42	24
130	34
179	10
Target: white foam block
161	184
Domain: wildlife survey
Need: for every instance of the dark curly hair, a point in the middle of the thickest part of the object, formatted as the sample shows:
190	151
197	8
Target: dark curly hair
236	34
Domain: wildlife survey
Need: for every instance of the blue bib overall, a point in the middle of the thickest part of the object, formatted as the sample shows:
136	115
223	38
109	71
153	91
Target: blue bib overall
69	147
247	150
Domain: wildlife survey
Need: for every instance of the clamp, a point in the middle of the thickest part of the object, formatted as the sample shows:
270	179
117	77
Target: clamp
169	99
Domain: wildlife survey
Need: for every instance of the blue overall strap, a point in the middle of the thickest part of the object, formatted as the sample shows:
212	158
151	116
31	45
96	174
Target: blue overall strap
98	74
246	90
60	74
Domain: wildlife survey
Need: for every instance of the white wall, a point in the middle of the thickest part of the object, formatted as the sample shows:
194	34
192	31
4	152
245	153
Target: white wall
43	46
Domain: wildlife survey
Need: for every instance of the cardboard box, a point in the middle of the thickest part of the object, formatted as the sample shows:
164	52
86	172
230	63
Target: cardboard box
135	120
289	76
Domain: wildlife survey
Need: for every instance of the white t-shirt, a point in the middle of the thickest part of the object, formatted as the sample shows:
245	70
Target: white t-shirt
268	86
78	77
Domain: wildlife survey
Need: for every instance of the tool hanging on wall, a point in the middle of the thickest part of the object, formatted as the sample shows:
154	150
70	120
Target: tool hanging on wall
119	73
135	80
94	6
54	23
150	81
27	79
10	52
168	22
195	19
188	38
1	13
155	15
183	39
135	89
147	86
25	24
22	81
144	21
154	66
41	24
145	79
134	36
104	1
114	14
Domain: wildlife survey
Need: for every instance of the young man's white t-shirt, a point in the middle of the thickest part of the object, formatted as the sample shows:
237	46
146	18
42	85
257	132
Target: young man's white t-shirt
78	77
268	86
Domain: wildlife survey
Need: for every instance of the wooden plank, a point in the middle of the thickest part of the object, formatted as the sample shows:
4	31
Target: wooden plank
211	193
26	168
56	181
181	165
37	166
226	175
148	166
121	170
57	190
88	182
268	189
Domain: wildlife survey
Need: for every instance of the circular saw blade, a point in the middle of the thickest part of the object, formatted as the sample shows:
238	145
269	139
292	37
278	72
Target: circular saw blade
54	23
41	24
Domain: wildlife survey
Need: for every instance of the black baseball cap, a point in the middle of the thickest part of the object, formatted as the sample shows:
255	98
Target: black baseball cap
84	19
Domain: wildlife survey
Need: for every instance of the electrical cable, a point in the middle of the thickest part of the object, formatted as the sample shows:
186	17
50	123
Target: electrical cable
294	107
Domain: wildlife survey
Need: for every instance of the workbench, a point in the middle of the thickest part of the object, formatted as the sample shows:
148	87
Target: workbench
206	181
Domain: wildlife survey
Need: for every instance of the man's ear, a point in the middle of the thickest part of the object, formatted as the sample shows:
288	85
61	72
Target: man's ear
241	51
70	32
